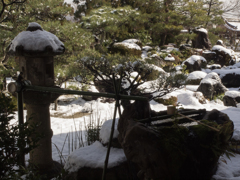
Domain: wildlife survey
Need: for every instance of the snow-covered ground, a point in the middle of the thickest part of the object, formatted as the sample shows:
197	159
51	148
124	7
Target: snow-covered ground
73	118
69	130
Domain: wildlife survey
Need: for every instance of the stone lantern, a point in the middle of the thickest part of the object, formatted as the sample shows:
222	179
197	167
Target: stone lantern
34	50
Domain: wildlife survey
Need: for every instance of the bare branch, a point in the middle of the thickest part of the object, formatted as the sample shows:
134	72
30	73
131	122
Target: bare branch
16	2
231	5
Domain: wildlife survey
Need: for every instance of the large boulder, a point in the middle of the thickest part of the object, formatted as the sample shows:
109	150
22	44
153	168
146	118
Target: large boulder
195	63
211	86
159	61
209	55
127	47
167	100
195	77
172	152
201	41
223	55
231	98
87	163
229	77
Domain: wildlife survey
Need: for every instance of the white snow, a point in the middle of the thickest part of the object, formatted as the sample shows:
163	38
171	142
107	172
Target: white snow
169	58
237	64
131	41
221	48
128	45
228	169
156	68
184	31
194	58
203	30
220	41
232	94
146	48
196	75
106	130
211	78
209	81
93	156
214	65
223	72
36	40
208	52
187	99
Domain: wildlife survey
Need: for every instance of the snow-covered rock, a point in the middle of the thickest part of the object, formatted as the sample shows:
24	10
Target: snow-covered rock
127	48
195	77
211	86
195	62
222	49
229	77
214	66
231	98
169	57
93	156
133	41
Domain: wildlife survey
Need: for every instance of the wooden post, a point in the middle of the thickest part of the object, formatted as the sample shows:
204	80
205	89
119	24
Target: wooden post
117	107
171	110
21	122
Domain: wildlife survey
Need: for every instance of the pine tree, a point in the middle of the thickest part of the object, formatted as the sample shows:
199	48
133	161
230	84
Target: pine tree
51	15
113	24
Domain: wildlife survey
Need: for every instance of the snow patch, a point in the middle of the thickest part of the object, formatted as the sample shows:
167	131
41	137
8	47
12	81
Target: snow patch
194	58
221	48
203	30
196	75
169	58
232	94
106	130
187	99
93	156
128	45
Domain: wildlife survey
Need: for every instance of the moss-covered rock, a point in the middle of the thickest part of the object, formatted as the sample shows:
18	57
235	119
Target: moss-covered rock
167	101
127	49
173	152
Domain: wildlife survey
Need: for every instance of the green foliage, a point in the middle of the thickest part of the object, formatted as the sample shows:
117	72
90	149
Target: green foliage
186	53
163	55
142	35
176	79
172	139
217	142
92	134
213	38
219	96
124	20
177	141
72	87
13	138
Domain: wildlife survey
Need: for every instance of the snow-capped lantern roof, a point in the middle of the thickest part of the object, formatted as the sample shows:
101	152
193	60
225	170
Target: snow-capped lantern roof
36	42
203	30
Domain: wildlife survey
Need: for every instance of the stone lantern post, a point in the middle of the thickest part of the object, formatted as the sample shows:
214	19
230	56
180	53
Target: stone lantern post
34	50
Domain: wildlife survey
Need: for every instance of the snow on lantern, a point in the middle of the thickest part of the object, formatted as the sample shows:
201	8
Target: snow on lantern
34	50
